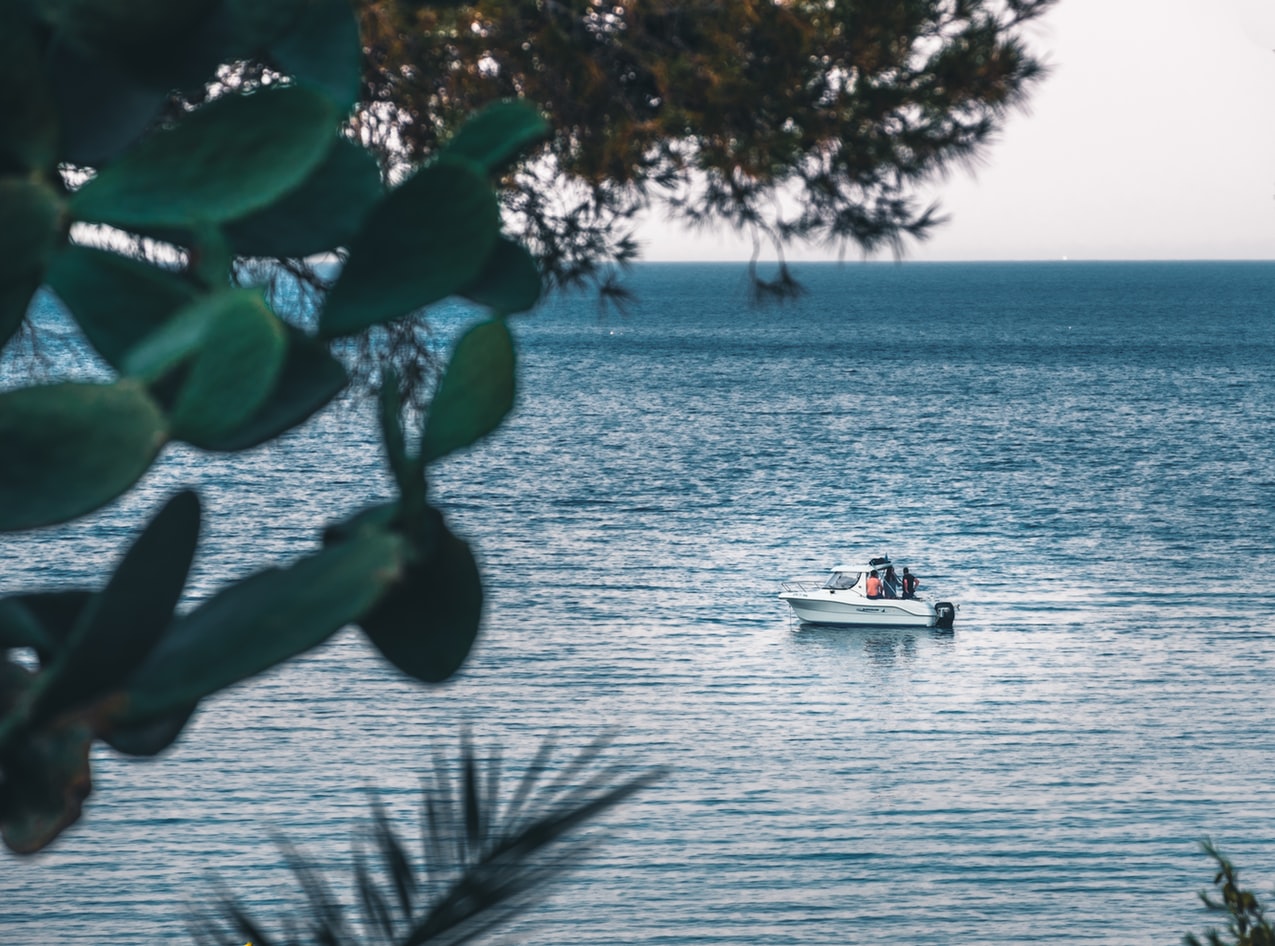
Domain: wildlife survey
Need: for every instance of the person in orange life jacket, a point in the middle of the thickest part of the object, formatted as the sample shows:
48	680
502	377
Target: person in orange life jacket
910	584
890	583
873	586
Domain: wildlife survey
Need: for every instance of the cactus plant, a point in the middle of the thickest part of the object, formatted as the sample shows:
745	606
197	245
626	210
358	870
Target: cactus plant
97	128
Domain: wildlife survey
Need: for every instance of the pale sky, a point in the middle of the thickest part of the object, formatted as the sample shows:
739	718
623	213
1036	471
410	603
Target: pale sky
1153	138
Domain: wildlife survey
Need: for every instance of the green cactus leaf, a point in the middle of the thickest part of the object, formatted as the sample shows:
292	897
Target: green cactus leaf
71	448
57	613
261	621
28	122
427	623
15	299
31	215
123	623
15	685
382	518
145	739
309	379
233	348
221	162
509	282
117	301
499	133
322	51
476	392
20	628
256	25
46	781
179	338
422	242
234	373
153	41
101	110
322	214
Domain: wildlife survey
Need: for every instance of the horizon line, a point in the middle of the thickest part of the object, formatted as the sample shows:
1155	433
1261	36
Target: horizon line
947	262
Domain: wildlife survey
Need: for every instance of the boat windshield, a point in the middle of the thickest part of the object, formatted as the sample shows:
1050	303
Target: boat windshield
842	580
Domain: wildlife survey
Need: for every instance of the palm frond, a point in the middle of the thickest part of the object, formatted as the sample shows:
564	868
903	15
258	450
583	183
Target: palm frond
482	860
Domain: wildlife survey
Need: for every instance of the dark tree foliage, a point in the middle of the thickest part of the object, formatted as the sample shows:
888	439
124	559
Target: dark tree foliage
808	122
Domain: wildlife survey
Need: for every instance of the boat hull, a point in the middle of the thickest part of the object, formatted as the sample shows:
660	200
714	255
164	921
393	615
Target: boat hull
843	610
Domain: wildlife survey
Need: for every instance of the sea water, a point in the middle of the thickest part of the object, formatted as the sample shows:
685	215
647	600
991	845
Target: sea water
1079	455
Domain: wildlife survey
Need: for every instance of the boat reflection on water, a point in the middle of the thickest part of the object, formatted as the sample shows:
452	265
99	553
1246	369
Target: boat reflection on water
869	653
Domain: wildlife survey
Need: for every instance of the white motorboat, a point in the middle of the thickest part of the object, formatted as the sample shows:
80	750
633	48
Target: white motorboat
843	599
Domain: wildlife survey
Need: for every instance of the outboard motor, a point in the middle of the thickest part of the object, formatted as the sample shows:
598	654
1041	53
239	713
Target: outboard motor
946	612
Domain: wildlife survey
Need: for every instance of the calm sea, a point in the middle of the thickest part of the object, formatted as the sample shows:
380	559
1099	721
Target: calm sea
1080	455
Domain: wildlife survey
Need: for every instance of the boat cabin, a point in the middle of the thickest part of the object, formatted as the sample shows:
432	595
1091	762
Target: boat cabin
854	577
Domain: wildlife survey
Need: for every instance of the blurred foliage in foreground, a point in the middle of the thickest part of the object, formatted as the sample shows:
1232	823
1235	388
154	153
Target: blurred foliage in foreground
484	855
98	157
1246	922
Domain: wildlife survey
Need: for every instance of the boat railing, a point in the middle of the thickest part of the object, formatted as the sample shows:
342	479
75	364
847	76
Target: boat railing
804	585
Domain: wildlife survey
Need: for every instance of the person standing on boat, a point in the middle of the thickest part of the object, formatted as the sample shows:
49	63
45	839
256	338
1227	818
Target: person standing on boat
910	584
873	586
890	583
